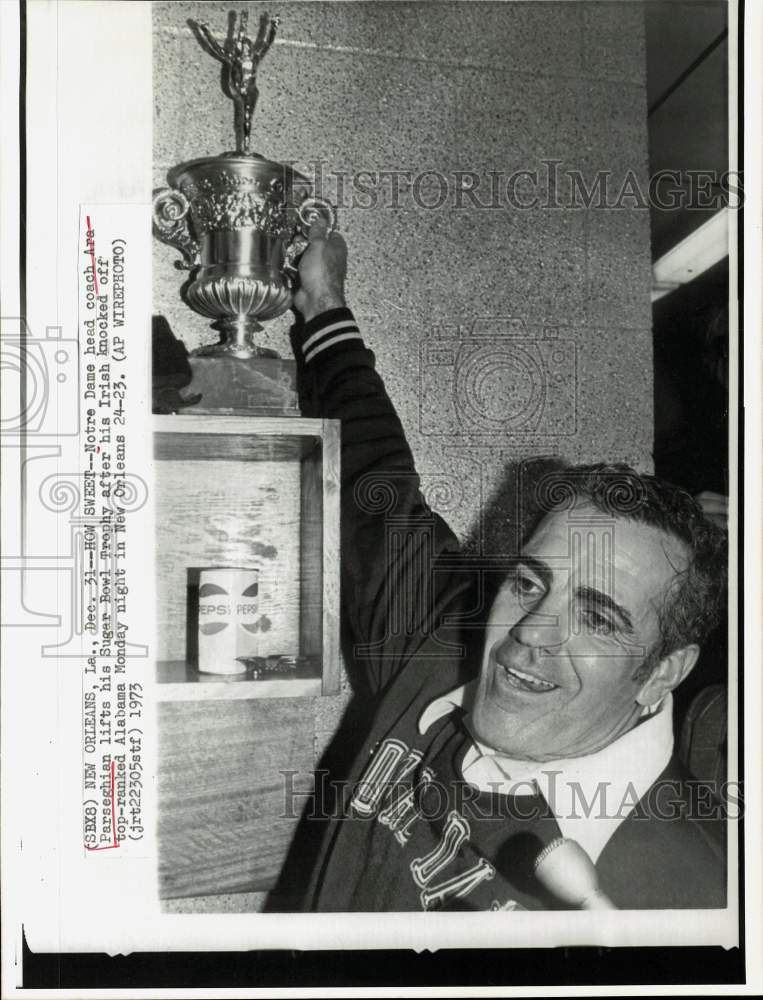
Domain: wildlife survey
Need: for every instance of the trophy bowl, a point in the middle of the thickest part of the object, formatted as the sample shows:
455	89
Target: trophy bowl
234	219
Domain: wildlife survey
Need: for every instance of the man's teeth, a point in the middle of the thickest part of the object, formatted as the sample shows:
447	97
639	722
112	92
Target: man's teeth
528	679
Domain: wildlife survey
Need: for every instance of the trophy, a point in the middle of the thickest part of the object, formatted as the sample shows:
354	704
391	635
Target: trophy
239	220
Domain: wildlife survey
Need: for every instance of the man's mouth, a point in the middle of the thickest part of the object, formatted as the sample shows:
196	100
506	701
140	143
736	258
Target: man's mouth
526	682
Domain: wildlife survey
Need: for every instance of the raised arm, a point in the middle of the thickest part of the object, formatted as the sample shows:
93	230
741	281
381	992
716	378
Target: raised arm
390	537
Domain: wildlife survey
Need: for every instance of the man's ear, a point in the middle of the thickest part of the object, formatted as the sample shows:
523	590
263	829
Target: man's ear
668	674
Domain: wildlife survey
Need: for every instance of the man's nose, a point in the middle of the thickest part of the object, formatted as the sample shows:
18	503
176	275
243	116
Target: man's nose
544	627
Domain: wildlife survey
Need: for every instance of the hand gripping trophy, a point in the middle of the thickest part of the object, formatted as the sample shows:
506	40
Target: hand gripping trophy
233	216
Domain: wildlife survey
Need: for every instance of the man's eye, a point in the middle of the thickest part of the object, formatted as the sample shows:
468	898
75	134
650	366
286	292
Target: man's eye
597	623
525	586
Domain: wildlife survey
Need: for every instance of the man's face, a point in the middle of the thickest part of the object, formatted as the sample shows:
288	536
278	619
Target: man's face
567	632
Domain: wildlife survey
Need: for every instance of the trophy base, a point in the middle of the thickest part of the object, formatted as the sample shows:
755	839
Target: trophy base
258	386
228	350
236	338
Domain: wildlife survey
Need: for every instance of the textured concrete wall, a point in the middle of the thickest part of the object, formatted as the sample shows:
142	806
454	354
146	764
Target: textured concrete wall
448	87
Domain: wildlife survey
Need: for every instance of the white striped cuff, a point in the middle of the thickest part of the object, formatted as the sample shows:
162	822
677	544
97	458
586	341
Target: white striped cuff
328	336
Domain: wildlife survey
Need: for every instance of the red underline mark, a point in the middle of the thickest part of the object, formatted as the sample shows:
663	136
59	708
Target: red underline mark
92	259
108	847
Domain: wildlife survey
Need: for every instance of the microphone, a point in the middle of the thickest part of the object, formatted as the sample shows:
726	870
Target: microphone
566	871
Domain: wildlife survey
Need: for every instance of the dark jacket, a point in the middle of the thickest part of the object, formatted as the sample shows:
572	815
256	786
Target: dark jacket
413	612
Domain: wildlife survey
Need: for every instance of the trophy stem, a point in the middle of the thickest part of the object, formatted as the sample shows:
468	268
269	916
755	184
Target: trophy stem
238	342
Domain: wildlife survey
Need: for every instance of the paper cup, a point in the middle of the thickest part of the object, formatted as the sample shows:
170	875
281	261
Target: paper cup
228	619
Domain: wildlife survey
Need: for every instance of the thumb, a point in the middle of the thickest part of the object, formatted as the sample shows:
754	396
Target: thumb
319	229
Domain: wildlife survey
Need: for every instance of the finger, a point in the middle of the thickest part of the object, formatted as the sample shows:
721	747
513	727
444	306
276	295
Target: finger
719	520
716	515
709	495
710	506
714	503
319	229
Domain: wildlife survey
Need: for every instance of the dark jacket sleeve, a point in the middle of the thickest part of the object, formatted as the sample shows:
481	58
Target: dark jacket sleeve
390	538
670	852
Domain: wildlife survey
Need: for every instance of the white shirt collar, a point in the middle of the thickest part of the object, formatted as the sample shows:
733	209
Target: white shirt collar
590	796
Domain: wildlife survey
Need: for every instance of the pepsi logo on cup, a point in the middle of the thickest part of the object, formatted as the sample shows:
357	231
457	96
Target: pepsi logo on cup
228	619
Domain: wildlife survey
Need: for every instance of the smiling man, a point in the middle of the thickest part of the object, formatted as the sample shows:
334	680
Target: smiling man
511	703
573	648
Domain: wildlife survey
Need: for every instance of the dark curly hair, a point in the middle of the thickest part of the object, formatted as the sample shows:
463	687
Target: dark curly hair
695	601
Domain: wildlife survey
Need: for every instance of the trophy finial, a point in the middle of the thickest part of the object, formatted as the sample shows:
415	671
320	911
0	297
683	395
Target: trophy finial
241	55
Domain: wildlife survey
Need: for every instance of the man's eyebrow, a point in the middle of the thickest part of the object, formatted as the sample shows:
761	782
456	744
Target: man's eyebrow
541	569
602	600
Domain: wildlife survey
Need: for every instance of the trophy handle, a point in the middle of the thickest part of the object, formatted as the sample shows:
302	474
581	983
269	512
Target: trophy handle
170	217
310	210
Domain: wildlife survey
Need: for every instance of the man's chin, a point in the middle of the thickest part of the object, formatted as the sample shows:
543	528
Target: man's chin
509	732
517	744
493	727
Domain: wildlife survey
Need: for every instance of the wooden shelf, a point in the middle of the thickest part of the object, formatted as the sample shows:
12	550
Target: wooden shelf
260	492
202	437
177	681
